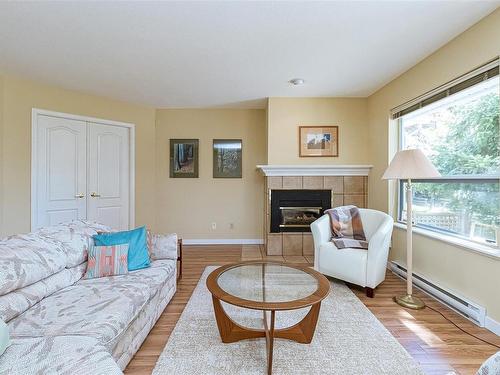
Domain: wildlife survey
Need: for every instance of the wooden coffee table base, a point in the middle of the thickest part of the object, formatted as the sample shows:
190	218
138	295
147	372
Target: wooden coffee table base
302	332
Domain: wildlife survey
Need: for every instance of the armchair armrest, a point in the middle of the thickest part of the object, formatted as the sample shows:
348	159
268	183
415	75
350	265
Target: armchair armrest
378	252
321	233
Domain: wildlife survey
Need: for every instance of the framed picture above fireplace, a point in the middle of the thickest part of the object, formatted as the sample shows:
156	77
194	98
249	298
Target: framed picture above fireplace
184	158
318	141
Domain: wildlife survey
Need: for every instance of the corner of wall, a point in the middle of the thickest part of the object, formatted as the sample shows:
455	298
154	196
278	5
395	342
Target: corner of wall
156	169
266	140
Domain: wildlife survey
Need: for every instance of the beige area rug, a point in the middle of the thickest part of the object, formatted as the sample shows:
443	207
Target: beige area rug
348	340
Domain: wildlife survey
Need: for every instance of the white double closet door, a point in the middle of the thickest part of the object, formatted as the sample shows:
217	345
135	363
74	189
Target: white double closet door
81	171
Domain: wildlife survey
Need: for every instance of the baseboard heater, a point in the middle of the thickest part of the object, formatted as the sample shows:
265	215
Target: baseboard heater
468	309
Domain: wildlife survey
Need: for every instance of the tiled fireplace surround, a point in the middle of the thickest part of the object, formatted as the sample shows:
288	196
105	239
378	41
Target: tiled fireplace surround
348	184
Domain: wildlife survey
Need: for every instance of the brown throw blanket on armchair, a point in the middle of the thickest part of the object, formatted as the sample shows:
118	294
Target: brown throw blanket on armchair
347	228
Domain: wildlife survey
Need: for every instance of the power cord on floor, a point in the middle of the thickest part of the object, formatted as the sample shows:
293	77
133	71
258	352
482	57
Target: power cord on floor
463	330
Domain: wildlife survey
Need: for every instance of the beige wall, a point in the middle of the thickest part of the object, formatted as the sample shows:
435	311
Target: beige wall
189	206
475	276
286	114
19	97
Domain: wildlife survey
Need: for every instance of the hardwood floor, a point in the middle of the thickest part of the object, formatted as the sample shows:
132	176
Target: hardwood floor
435	343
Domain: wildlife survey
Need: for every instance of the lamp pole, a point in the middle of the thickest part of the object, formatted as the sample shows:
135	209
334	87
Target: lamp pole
409	238
409	300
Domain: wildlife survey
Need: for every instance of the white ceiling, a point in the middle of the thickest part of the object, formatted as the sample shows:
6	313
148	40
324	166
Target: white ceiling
206	54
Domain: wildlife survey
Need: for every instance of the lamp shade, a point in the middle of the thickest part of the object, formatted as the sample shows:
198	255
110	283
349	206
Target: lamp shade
410	164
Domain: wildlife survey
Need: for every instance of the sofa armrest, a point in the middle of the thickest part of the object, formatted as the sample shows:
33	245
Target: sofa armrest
491	366
164	246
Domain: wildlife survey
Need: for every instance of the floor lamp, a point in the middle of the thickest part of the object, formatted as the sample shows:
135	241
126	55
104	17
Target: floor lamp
408	165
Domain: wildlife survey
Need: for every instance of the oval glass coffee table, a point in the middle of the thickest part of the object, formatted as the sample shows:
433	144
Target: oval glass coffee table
270	287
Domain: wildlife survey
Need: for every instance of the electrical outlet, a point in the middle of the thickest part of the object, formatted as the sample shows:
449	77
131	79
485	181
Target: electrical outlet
214	225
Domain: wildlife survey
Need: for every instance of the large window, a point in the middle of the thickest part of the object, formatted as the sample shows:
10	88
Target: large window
460	134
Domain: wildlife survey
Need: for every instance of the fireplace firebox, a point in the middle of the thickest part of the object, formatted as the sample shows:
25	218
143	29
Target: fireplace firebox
295	210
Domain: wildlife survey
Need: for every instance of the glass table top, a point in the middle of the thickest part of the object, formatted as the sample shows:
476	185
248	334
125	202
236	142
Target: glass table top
267	282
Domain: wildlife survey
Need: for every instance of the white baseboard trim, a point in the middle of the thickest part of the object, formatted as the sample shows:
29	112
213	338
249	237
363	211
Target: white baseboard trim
489	323
223	241
492	325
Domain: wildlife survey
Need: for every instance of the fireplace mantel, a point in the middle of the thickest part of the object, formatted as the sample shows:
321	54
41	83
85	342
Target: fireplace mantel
315	170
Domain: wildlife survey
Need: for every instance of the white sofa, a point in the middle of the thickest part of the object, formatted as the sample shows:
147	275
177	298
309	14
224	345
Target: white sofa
357	266
60	323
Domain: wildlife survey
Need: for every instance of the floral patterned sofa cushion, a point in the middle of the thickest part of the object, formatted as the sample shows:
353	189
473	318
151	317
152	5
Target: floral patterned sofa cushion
28	258
62	355
16	302
156	275
100	308
76	238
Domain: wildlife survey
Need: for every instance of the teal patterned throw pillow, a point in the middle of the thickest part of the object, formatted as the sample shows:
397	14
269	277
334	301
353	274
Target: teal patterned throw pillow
107	261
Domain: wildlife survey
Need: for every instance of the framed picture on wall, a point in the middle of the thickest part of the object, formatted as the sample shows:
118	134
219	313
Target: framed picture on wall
318	141
227	161
184	158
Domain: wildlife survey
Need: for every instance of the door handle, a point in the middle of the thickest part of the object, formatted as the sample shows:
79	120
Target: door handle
79	196
95	195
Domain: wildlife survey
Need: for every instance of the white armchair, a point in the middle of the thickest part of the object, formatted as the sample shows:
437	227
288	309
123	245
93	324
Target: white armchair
357	266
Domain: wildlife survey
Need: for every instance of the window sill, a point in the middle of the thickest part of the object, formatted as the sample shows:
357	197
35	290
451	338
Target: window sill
462	243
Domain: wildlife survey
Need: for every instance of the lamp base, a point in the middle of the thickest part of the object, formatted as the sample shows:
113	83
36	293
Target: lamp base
409	301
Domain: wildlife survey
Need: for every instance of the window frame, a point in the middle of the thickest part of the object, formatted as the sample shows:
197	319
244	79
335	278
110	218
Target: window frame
442	233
